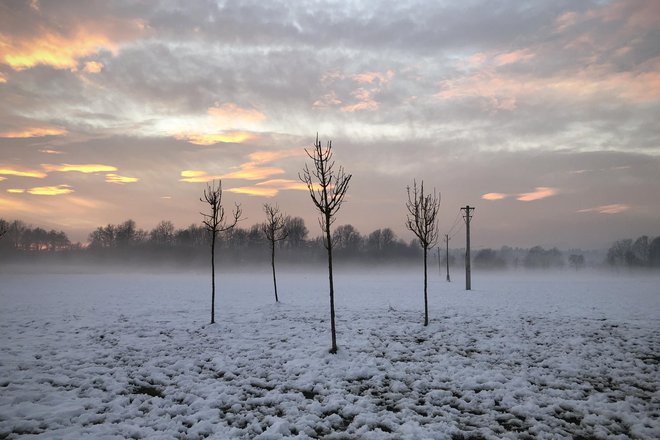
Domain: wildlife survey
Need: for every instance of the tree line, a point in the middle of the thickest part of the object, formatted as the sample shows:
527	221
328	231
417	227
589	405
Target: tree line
125	241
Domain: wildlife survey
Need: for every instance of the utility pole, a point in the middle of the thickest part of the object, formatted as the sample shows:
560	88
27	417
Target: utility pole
447	256
467	216
439	262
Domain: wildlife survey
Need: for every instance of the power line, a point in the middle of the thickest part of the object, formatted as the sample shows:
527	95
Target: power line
455	222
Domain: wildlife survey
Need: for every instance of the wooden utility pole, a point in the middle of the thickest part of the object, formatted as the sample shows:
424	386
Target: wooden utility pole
447	256
467	216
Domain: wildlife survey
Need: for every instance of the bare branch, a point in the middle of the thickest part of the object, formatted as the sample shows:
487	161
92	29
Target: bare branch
422	217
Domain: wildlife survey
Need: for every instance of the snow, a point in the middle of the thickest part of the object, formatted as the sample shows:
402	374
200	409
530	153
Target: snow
549	355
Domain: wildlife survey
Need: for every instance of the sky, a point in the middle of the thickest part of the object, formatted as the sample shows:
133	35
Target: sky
543	115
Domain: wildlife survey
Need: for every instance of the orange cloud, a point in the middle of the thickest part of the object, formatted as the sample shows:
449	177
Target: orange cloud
234	137
50	190
259	157
3	78
115	178
608	209
541	192
52	48
254	191
33	132
81	168
284	184
21	172
250	172
494	196
93	67
194	176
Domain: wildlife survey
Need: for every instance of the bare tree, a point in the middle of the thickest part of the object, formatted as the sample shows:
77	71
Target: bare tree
422	220
215	223
327	187
275	230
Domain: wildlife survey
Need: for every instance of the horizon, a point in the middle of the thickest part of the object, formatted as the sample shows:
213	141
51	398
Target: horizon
541	116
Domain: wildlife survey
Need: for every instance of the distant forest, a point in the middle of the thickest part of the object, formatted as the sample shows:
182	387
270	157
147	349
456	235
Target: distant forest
126	244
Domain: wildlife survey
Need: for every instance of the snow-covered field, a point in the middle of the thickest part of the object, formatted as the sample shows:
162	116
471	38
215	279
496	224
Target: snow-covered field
521	356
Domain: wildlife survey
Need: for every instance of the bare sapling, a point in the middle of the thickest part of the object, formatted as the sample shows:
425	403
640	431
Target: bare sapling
422	220
275	230
327	187
216	223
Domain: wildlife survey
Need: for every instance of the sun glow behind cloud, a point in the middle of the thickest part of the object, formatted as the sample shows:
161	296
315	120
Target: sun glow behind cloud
81	168
115	178
53	49
33	132
51	190
9	170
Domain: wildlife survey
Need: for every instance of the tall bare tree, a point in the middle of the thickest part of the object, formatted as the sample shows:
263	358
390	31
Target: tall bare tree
215	223
327	187
275	230
422	220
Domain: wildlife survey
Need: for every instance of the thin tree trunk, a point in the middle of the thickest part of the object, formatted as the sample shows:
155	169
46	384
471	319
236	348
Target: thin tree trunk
426	301
333	349
213	278
272	263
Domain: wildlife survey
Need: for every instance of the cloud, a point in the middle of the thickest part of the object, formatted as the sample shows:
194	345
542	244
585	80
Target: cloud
50	151
51	190
15	190
541	192
234	137
607	209
33	132
81	168
260	157
254	191
233	115
249	171
53	48
93	67
284	184
115	178
494	196
9	170
196	176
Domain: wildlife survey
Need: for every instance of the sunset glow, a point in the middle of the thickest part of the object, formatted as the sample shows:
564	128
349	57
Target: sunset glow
115	178
214	138
33	132
80	168
540	193
50	190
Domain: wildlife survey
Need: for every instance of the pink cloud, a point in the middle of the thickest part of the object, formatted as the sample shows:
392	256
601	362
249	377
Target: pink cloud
541	192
